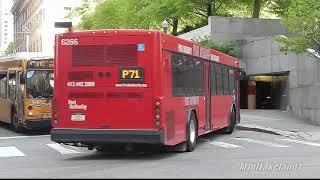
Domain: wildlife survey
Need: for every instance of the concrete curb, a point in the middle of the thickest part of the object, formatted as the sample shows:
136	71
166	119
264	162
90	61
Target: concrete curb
257	128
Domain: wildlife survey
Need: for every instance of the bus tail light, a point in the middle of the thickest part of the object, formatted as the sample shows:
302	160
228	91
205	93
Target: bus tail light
54	112
55	121
54	108
29	108
157	112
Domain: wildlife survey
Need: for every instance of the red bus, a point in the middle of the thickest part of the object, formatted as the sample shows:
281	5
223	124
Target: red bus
140	87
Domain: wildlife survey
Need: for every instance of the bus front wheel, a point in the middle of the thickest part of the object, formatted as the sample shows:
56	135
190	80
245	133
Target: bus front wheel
15	123
192	133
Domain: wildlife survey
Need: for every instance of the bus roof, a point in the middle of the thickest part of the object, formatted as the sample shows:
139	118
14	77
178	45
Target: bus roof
141	32
110	31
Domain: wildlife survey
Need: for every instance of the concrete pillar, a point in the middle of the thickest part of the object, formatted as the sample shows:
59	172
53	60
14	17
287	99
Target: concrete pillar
251	95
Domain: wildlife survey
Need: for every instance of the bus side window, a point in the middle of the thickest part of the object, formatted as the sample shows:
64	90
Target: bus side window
12	86
3	85
232	81
213	79
219	79
225	80
198	78
177	68
189	84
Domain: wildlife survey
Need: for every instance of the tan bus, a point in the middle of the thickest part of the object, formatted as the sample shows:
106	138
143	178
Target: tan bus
26	88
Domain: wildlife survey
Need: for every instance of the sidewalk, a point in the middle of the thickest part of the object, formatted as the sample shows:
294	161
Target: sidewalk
277	122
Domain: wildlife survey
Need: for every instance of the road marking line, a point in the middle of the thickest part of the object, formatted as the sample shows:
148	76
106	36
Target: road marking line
20	137
10	151
222	144
62	150
261	142
300	142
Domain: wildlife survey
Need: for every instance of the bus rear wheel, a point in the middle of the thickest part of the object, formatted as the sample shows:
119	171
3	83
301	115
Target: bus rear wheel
230	128
192	133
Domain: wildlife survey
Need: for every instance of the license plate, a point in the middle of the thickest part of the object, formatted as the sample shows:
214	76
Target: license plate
132	74
78	117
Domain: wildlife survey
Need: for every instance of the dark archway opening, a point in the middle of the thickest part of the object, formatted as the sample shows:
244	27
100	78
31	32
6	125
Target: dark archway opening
272	91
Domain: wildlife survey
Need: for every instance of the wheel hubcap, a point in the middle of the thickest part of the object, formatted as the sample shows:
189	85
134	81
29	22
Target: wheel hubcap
192	132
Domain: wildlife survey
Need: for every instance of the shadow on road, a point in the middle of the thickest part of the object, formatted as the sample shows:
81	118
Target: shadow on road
146	153
25	132
122	155
37	132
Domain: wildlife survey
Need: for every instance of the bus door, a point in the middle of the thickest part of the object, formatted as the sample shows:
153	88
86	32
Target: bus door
201	85
207	95
11	90
237	95
5	105
12	83
20	93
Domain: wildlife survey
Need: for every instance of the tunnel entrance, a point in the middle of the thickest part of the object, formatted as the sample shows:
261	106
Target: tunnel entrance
271	91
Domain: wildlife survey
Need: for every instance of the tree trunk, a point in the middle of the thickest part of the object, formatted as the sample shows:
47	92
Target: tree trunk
209	10
175	26
256	9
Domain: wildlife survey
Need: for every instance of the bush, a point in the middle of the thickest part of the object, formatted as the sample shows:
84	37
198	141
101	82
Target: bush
225	47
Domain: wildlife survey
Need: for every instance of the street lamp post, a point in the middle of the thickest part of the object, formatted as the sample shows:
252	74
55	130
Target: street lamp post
165	25
27	42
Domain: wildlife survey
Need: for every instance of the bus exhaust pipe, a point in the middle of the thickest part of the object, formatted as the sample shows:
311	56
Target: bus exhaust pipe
128	147
90	147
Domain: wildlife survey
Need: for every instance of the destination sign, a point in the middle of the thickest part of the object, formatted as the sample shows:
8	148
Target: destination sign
132	74
40	64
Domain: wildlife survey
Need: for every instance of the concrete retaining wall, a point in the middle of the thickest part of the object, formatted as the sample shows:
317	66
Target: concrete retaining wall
262	56
232	29
197	34
305	88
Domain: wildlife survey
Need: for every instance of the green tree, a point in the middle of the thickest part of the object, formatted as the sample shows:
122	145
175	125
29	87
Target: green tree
207	8
9	49
255	8
173	11
85	12
302	19
280	7
148	14
113	14
120	14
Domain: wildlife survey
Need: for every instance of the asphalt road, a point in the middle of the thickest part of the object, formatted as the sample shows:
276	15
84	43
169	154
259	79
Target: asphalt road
33	155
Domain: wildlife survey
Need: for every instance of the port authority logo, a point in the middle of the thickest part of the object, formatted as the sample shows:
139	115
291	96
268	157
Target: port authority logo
270	166
74	106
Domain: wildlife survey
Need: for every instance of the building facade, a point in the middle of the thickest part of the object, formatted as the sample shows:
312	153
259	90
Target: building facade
34	23
6	24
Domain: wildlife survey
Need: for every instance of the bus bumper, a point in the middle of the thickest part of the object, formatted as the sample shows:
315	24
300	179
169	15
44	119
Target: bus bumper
38	124
105	136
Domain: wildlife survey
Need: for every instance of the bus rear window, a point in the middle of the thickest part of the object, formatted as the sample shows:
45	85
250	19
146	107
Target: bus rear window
104	55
